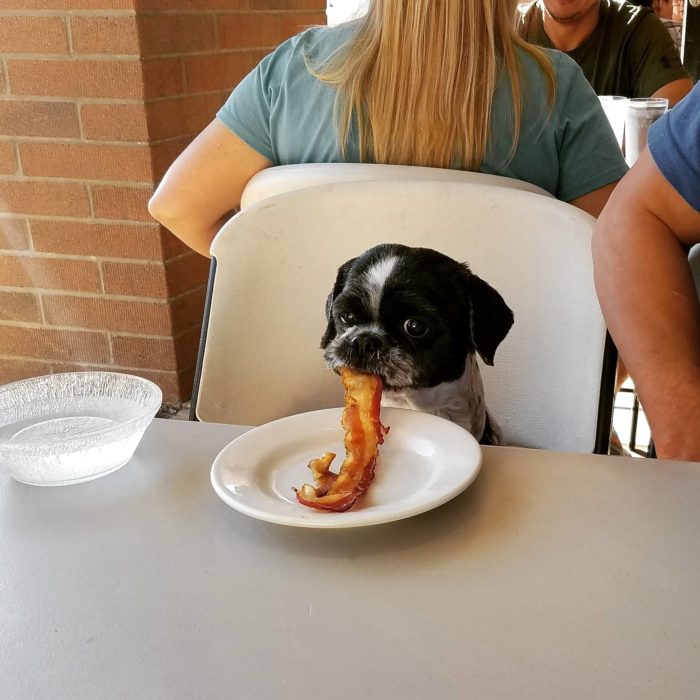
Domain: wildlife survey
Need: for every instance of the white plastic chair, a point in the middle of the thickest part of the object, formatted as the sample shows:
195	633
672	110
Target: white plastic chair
276	261
694	260
286	178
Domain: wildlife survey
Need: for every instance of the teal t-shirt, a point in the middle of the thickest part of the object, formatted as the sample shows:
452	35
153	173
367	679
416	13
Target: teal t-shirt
286	114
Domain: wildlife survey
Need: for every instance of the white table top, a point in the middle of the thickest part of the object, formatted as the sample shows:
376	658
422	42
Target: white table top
553	576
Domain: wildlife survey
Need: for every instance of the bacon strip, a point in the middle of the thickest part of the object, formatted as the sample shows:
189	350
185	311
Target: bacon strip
363	435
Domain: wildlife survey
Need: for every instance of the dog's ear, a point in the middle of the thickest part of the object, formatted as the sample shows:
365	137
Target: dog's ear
338	287
490	318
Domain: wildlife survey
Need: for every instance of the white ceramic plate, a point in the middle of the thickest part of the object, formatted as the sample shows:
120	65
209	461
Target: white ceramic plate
424	462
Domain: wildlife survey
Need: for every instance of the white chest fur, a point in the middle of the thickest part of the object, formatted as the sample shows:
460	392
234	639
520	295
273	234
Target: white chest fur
461	401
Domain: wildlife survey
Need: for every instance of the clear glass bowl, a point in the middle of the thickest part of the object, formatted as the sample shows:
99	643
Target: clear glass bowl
66	428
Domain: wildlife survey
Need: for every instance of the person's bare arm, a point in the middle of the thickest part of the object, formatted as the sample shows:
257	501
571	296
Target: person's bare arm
675	91
646	291
204	185
593	202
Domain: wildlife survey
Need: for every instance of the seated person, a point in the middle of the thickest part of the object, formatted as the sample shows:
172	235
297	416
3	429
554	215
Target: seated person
644	281
414	82
622	49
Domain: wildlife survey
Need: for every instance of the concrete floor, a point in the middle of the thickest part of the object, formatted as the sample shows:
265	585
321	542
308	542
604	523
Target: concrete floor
177	412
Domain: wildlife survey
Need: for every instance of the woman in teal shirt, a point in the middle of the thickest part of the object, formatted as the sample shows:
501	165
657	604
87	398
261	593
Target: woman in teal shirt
438	83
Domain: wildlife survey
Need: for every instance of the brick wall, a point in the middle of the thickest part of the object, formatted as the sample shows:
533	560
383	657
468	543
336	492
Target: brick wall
97	97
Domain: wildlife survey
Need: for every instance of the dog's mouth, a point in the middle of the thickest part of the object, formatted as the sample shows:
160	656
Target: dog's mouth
395	370
387	381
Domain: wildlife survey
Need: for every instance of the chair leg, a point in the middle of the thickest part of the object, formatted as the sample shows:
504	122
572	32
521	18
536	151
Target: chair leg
651	452
202	341
607	398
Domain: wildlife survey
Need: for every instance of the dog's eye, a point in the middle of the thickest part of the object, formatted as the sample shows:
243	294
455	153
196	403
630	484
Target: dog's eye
415	327
349	318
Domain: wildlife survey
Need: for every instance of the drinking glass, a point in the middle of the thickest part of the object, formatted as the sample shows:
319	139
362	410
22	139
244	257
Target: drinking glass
642	112
615	108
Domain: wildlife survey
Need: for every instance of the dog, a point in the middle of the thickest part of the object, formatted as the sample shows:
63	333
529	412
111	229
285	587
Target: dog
417	318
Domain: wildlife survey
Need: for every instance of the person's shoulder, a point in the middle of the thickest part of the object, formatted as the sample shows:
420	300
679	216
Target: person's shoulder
673	140
572	88
624	12
319	43
571	85
565	68
629	18
315	43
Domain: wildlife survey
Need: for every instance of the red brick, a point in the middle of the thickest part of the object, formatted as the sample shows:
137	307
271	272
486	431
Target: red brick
171	245
172	384
49	273
98	313
14	234
106	34
27	34
200	5
252	30
176	34
76	78
162	77
8	159
43	197
115	122
185	115
12	370
121	203
318	5
36	118
149	353
47	344
186	347
187	310
86	161
164	154
156	353
68	4
185	380
187	272
147	280
19	306
220	71
111	240
283	4
294	23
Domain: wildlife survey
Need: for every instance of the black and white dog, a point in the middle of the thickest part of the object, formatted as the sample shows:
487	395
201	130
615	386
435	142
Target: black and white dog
417	318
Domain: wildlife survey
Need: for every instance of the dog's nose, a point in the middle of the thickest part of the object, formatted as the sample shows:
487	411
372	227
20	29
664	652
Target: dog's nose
366	344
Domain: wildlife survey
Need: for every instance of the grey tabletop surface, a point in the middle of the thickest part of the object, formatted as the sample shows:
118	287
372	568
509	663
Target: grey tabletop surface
552	576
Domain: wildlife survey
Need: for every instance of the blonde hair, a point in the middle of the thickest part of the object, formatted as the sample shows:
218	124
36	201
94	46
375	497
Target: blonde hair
417	79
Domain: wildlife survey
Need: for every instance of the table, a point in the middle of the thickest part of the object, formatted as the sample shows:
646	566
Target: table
553	576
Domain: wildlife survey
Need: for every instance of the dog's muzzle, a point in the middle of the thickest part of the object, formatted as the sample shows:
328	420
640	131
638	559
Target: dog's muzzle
366	345
363	350
369	351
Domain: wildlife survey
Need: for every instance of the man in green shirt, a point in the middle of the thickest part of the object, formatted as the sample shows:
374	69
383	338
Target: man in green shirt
621	49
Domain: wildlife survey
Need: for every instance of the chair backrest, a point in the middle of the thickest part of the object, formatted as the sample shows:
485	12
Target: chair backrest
276	261
694	260
285	178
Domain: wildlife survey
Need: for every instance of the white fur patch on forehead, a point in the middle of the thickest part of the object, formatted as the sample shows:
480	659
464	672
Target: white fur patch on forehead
375	278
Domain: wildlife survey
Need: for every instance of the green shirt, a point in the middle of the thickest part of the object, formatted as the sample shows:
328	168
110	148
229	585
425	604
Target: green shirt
630	53
286	115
